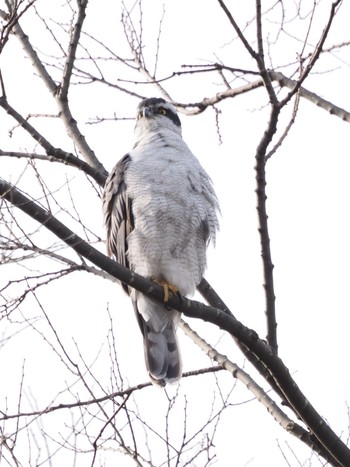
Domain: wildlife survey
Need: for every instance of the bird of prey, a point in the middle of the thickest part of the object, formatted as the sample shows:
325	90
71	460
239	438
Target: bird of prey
160	212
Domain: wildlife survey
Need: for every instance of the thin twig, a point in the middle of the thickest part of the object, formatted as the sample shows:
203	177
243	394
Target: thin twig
315	55
64	110
72	50
56	153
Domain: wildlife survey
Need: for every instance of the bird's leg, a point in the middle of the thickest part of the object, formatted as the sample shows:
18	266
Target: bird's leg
166	287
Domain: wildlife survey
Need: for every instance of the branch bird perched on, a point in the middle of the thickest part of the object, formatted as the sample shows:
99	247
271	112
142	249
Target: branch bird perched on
160	211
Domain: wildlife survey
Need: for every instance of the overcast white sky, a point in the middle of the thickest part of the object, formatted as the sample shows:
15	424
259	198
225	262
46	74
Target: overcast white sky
308	205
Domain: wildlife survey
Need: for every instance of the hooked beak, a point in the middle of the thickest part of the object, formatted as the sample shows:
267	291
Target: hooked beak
147	112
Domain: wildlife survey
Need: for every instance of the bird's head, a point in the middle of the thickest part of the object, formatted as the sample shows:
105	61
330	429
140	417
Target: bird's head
154	114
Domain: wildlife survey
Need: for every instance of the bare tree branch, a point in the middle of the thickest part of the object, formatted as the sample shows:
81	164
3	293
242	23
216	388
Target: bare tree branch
64	110
102	416
97	400
260	57
332	444
262	396
315	54
263	227
311	96
73	45
52	152
196	108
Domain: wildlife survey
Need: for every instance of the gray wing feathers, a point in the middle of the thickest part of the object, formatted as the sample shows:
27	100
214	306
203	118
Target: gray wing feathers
117	213
157	323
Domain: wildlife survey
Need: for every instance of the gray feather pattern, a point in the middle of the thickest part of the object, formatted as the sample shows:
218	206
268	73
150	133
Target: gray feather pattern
158	325
160	210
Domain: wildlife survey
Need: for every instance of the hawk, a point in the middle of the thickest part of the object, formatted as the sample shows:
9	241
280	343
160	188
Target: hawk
160	212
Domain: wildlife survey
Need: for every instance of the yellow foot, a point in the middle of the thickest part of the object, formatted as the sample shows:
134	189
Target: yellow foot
166	287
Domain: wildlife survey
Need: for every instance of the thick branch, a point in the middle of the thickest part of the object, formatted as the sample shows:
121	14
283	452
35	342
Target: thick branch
213	299
291	392
284	81
263	227
261	395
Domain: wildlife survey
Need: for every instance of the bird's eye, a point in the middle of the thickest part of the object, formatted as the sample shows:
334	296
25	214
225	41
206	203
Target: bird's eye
162	111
